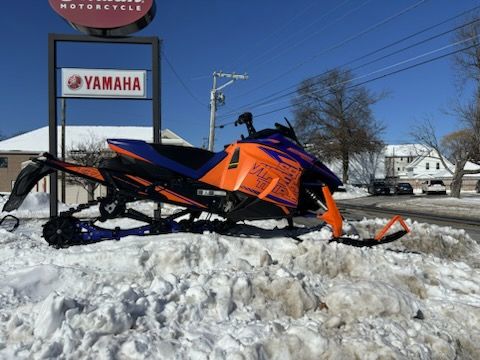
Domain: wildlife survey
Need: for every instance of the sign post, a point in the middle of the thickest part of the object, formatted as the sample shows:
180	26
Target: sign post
102	22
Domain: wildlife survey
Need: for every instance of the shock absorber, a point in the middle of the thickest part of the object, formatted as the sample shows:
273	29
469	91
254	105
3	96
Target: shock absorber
315	198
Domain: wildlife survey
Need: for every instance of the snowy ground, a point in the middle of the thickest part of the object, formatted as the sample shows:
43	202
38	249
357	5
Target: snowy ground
209	296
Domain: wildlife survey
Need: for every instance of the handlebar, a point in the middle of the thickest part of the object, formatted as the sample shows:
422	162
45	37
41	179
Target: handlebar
247	119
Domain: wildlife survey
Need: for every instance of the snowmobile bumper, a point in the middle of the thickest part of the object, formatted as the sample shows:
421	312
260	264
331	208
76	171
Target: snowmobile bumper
25	182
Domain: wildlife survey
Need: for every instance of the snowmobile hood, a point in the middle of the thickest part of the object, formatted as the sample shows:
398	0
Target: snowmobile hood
306	160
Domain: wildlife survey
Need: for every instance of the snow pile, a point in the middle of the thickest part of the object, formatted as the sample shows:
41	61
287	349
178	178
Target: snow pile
209	296
351	192
35	205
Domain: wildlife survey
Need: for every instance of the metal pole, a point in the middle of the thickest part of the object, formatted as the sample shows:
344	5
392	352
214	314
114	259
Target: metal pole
157	105
63	176
213	110
156	91
52	119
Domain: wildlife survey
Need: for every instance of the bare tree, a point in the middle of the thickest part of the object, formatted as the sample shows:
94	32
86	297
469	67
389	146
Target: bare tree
336	119
365	165
463	145
88	152
459	147
467	62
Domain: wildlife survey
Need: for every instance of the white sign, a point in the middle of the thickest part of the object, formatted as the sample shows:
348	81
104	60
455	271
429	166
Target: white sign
103	83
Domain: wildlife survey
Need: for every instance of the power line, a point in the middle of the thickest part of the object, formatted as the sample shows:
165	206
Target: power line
298	43
278	31
291	36
338	45
380	76
365	64
396	64
187	89
273	97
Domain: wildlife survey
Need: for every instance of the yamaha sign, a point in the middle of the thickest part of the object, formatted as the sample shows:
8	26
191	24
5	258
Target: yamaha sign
103	83
106	17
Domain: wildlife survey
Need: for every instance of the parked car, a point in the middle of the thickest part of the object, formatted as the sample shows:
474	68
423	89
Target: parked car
404	189
434	187
379	188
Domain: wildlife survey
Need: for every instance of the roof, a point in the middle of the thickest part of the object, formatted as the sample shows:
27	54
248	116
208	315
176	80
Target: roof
405	150
37	140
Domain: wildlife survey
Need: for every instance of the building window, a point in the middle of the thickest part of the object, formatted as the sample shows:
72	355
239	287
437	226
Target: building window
427	166
398	169
3	162
438	166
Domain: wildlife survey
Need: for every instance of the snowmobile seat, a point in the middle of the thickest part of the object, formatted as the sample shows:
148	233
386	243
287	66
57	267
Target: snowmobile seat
187	161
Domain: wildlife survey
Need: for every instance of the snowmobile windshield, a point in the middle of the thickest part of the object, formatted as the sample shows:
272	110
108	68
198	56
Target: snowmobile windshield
286	132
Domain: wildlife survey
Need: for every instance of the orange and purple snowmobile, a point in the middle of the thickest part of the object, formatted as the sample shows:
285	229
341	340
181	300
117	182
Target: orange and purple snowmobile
266	175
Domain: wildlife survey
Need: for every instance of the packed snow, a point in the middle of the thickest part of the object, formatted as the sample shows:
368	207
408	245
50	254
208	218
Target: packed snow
351	192
211	296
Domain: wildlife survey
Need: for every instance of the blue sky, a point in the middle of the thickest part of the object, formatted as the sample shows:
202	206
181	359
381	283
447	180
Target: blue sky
262	38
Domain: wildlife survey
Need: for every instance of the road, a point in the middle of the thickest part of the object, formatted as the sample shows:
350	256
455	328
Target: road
356	209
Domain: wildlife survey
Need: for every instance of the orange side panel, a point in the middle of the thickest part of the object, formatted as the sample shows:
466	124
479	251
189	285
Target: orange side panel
169	194
173	196
273	178
269	188
139	180
91	172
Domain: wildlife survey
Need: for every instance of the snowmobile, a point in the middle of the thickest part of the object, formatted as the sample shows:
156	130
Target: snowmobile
265	175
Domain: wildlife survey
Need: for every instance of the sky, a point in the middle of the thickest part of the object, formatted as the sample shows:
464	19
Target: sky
278	43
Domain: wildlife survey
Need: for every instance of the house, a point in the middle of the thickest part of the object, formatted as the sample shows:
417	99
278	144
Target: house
21	148
429	166
413	163
398	157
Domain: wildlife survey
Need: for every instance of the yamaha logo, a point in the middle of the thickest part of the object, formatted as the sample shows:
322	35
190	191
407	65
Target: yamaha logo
74	82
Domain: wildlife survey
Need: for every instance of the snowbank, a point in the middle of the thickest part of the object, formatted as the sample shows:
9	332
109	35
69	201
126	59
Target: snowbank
212	296
35	205
351	192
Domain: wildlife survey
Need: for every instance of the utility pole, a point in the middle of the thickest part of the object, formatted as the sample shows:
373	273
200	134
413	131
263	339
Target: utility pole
217	97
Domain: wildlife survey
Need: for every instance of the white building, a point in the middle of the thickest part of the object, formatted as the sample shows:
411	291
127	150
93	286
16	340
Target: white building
398	157
413	163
